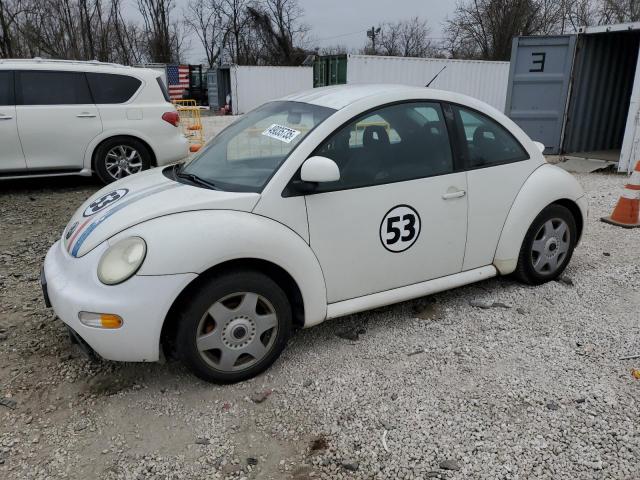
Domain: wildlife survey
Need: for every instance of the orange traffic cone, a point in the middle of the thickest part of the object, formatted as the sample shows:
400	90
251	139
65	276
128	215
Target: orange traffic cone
627	211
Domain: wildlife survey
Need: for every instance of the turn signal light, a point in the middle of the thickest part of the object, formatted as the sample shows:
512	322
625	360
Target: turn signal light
100	320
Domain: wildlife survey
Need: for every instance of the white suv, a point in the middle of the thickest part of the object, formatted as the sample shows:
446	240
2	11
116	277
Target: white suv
67	117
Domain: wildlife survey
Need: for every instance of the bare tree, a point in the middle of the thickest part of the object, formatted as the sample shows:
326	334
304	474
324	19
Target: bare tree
333	50
278	24
126	37
407	38
619	11
163	37
236	20
578	13
10	11
205	20
485	28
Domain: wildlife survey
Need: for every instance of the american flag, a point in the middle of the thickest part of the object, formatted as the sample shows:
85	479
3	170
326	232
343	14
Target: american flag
178	79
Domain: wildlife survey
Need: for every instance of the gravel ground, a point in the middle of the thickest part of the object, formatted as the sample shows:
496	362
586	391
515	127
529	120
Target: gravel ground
532	386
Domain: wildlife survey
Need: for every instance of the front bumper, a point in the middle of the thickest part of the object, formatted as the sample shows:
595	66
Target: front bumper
72	286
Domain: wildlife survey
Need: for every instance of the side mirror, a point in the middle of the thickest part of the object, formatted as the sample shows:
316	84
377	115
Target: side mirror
319	170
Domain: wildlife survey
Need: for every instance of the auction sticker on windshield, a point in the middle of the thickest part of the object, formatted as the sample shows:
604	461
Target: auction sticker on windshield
284	134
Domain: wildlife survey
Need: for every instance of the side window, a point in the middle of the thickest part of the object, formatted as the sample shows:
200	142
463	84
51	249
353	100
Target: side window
112	88
6	88
37	87
488	143
393	144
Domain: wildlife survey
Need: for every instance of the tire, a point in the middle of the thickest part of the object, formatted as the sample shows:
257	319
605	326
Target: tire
119	157
548	246
234	328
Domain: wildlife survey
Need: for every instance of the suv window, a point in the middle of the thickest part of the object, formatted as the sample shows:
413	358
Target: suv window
395	143
488	143
38	87
112	88
6	88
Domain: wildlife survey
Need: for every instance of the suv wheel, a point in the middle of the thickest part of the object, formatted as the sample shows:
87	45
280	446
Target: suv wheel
548	246
234	327
120	157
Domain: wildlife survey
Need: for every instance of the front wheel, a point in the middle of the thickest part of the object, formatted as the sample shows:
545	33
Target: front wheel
236	327
548	246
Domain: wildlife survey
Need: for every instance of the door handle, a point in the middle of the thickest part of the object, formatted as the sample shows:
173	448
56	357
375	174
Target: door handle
458	194
86	115
5	117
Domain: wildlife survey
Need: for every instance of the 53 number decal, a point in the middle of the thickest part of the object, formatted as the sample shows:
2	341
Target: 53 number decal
104	201
400	228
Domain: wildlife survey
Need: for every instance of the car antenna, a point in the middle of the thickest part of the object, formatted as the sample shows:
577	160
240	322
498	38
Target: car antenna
436	76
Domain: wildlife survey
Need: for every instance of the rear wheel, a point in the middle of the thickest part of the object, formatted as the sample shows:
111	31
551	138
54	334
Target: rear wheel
236	327
548	246
119	157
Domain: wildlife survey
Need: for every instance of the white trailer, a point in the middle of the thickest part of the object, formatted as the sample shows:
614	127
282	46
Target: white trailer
250	86
484	80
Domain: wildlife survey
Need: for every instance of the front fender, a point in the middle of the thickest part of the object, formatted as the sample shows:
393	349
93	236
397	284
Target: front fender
195	241
546	185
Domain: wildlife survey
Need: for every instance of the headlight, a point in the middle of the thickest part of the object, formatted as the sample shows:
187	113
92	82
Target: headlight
122	260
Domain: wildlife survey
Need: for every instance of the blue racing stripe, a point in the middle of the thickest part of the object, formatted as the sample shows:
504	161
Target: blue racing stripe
115	209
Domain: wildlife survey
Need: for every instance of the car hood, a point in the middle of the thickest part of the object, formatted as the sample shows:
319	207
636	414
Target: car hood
139	198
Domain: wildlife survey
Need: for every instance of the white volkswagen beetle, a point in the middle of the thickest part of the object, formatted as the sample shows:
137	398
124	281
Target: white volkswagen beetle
323	204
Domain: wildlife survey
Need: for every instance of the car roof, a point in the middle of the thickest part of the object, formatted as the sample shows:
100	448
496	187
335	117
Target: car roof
74	66
341	96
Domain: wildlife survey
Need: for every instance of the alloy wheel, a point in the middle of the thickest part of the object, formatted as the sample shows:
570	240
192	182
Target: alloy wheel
122	160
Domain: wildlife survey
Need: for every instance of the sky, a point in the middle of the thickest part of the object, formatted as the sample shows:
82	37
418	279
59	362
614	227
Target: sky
345	22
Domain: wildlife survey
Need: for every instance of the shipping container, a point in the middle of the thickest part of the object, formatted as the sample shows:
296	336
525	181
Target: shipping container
484	80
579	94
247	87
194	84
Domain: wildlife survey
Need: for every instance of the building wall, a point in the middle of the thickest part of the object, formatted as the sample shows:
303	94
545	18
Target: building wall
253	86
486	81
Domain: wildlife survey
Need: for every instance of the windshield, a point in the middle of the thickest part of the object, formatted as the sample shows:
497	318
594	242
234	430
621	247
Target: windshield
244	156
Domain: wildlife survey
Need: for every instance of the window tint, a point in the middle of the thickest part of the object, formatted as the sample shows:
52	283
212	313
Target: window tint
393	144
6	88
111	88
52	88
488	142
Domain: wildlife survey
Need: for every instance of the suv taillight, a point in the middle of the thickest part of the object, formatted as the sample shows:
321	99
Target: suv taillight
171	117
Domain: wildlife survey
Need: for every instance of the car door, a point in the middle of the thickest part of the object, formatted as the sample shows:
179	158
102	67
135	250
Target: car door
56	118
498	165
398	214
11	156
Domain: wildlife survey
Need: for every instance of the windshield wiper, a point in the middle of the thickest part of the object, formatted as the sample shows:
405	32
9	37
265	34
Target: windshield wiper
192	177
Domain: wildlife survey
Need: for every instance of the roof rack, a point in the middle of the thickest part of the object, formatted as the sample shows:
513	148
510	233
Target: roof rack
67	62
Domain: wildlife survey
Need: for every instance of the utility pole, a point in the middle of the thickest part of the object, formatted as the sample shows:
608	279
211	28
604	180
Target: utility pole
372	34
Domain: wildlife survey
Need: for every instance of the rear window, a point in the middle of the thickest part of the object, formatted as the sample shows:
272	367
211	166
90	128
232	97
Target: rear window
38	87
112	88
163	89
6	88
